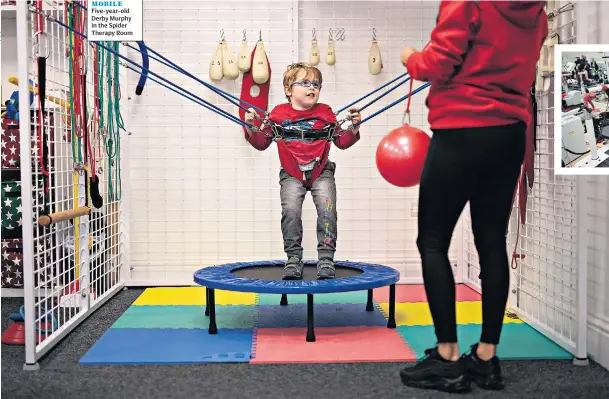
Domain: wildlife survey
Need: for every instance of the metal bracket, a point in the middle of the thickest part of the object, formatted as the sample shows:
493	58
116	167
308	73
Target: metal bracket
338	34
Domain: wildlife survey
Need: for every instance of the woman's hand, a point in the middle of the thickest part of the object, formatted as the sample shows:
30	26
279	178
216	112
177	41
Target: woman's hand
406	53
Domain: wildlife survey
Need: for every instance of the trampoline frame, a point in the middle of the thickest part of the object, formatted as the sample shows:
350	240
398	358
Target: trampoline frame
207	277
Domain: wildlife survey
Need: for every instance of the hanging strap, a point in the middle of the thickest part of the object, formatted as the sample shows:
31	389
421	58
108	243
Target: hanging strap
43	146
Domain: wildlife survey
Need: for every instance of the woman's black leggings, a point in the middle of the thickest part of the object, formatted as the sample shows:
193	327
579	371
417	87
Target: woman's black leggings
479	165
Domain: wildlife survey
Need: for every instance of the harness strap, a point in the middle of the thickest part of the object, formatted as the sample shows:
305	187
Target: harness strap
280	132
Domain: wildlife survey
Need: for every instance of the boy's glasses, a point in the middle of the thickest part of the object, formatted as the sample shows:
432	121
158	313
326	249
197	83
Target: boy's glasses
308	83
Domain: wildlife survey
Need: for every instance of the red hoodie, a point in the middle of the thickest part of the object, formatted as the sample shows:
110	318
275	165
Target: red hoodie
481	62
293	153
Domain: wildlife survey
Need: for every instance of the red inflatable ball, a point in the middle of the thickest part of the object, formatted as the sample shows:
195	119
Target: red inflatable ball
400	156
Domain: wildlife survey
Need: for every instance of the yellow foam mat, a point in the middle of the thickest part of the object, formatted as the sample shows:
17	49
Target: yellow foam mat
191	296
418	314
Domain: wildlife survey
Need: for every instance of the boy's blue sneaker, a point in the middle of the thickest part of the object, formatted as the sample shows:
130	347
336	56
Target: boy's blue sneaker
325	269
293	269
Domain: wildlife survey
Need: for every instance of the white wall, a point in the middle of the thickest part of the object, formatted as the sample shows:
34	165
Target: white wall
222	203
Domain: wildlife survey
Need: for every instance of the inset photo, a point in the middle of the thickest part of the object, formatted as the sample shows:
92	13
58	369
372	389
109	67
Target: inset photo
581	121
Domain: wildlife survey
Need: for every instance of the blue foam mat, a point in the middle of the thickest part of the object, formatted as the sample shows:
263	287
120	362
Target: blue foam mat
170	346
517	341
325	315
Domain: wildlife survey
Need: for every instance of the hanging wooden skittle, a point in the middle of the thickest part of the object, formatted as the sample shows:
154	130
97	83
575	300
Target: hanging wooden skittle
244	58
230	70
375	63
215	66
260	64
314	53
331	51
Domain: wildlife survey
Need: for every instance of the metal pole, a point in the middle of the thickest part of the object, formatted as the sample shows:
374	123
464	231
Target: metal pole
581	351
23	52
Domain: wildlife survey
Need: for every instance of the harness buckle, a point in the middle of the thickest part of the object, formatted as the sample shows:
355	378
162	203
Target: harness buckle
277	131
331	131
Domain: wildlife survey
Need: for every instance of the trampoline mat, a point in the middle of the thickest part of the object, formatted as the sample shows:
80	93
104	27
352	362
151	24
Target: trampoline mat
276	272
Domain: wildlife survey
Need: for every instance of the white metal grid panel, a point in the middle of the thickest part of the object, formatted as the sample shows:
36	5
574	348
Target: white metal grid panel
202	196
74	271
598	252
544	276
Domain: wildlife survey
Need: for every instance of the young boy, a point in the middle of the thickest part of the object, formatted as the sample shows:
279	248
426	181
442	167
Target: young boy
304	127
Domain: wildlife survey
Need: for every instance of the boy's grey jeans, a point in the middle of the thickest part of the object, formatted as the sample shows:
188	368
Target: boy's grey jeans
323	192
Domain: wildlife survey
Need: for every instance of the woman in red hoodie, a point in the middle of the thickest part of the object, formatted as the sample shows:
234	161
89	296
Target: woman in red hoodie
481	62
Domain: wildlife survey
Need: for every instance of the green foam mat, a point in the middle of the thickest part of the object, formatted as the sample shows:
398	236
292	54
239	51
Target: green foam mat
518	341
186	317
346	298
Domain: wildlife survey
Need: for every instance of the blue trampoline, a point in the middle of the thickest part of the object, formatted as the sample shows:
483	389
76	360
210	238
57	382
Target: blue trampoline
265	277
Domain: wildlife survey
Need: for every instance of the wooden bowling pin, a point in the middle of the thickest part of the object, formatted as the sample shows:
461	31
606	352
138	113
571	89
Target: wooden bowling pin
229	62
314	55
375	63
244	58
260	66
215	66
331	53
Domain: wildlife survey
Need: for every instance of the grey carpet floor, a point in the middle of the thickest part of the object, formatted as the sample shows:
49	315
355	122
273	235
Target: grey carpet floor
60	375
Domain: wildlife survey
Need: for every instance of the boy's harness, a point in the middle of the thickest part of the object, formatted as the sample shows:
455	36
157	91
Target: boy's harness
295	132
299	133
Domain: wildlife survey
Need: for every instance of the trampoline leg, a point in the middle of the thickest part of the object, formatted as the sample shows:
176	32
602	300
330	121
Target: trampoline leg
369	305
213	329
206	301
310	325
284	300
391	321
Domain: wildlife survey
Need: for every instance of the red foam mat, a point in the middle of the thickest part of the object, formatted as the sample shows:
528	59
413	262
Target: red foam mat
332	345
416	293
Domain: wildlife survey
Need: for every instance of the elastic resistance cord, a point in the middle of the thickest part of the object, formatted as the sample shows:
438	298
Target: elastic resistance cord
95	117
371	93
119	122
177	68
384	94
418	89
74	136
110	144
146	63
191	98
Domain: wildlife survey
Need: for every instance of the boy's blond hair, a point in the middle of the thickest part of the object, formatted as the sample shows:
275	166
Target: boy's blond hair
289	76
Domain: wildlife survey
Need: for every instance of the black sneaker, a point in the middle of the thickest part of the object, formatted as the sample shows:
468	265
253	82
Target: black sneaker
293	269
325	269
434	372
485	373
